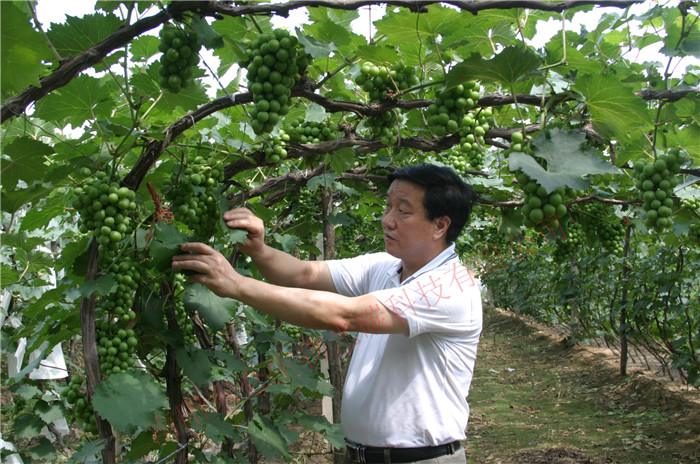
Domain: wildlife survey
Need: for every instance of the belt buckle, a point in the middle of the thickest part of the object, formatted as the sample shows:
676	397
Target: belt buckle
357	453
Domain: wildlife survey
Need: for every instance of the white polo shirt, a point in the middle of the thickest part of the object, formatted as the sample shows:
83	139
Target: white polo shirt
411	391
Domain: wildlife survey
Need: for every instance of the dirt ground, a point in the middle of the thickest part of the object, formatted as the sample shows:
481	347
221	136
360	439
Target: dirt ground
537	400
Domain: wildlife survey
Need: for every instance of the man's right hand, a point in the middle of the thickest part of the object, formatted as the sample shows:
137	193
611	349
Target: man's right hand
242	218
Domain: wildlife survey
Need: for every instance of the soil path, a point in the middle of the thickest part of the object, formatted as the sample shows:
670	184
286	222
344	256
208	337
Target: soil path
536	400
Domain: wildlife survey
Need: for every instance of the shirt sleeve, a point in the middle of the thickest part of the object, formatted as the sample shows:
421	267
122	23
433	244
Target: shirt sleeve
353	276
445	301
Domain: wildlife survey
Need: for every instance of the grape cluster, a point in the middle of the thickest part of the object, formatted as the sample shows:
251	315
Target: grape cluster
183	320
302	131
180	57
127	275
446	113
75	396
276	148
471	141
292	331
693	204
540	207
519	142
600	220
385	127
567	247
195	195
105	208
116	347
382	82
275	61
656	181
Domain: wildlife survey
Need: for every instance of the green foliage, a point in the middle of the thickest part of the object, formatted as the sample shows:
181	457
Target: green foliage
568	119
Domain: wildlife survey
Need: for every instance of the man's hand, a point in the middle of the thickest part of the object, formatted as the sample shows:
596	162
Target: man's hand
212	269
242	218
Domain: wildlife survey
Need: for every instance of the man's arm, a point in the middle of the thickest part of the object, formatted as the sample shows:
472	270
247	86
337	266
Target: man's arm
277	266
315	309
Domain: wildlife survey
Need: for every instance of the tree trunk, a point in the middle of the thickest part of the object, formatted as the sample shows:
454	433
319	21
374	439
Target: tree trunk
92	366
624	302
335	365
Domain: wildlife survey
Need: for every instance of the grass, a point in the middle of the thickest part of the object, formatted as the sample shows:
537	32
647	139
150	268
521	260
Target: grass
532	393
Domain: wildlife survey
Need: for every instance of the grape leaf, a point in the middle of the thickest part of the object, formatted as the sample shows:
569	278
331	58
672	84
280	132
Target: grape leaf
27	156
315	47
197	365
377	54
402	26
510	65
329	32
23	49
165	244
322	180
83	99
87	453
331	432
567	161
103	285
49	412
13	200
216	311
206	35
44	451
76	35
39	218
144	443
267	438
144	47
615	110
135	388
27	426
233	236
213	424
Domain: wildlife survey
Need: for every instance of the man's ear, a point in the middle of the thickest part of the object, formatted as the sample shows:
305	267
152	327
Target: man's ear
441	226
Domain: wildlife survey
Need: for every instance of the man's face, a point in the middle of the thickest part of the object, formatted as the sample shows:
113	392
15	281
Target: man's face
408	233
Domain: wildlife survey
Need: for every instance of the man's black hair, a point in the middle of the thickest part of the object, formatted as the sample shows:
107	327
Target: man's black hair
446	194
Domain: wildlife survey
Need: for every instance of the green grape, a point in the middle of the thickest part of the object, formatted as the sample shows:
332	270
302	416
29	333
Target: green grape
292	331
275	149
275	62
599	219
80	410
116	347
382	82
693	204
655	182
470	149
298	130
194	195
520	142
566	248
180	50
385	127
127	275
541	209
106	210
446	114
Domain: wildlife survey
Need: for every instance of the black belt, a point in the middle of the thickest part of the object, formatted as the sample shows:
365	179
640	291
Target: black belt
371	454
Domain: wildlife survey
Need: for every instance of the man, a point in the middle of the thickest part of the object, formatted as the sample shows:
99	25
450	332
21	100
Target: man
417	309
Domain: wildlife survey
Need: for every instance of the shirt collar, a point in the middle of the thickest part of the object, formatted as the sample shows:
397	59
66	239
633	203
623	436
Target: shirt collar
444	257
